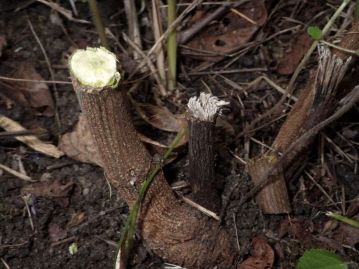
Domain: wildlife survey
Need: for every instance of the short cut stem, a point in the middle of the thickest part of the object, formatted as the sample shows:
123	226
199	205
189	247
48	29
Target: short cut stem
202	113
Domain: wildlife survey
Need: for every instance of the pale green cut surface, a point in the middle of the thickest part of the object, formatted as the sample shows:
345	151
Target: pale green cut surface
95	67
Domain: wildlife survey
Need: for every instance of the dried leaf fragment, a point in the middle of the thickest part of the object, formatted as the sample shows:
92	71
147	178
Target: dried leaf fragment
49	189
234	30
76	219
79	144
290	61
30	94
56	232
161	118
262	255
30	140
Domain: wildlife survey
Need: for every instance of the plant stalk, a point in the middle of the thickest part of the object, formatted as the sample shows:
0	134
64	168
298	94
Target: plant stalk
173	230
96	17
172	47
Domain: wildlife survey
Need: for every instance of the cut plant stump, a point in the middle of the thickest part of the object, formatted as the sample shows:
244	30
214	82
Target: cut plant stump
202	114
317	101
173	230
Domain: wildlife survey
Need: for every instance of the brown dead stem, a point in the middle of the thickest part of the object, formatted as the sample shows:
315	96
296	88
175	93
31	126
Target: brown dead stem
312	107
173	230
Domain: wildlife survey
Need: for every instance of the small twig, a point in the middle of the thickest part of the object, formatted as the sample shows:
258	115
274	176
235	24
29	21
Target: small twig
339	48
56	94
133	26
149	63
66	13
5	263
36	132
157	30
320	188
13	245
16	173
173	25
201	208
26	197
240	14
186	35
66	240
236	230
35	81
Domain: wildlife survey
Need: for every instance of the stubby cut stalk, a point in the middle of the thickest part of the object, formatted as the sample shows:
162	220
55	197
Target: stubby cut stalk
317	101
173	230
202	115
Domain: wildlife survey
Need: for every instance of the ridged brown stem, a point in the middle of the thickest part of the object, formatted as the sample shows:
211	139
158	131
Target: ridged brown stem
173	230
312	107
201	164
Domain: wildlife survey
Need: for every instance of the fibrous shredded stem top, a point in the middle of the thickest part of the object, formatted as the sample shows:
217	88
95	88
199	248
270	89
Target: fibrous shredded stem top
205	107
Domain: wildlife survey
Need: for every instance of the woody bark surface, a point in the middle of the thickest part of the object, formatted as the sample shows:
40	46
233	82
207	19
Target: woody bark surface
316	102
173	230
202	114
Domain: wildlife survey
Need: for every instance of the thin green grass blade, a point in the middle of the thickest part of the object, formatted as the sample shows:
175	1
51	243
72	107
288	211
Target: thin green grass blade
128	230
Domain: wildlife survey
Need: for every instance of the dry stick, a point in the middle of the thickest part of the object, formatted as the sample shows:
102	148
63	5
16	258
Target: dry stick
158	44
96	17
173	230
52	75
16	173
35	81
133	26
346	102
186	35
202	115
157	31
149	63
36	132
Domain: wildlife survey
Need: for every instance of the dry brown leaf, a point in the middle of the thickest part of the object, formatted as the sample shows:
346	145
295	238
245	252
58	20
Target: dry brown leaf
262	255
30	140
230	32
30	94
161	118
49	189
76	219
56	233
290	61
79	144
347	235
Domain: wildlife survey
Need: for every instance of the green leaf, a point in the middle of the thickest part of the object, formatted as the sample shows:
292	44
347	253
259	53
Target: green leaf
315	32
344	219
320	259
